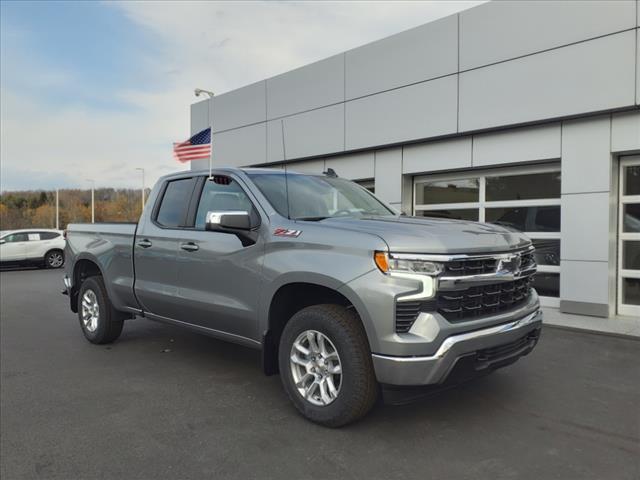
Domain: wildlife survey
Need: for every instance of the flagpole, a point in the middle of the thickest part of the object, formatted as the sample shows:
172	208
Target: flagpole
211	154
210	141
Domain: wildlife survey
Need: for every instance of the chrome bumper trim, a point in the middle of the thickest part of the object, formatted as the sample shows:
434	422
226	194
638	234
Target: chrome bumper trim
467	281
432	369
456	257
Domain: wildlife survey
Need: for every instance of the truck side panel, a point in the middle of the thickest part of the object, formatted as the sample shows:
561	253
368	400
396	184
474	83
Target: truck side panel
109	246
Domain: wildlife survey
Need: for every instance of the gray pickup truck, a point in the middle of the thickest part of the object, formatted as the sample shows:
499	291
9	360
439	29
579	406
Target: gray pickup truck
341	293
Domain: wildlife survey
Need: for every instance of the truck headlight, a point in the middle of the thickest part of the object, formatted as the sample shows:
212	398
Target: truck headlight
390	263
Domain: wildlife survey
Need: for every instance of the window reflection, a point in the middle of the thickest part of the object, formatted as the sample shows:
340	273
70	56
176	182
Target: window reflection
631	220
526	219
457	214
448	191
547	251
547	284
523	187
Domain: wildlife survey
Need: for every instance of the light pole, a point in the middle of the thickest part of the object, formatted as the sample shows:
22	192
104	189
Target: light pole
142	170
93	200
57	210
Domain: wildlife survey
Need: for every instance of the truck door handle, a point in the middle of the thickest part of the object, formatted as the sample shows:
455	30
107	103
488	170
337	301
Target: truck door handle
144	243
189	247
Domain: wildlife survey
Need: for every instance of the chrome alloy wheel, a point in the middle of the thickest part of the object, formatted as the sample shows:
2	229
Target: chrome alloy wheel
316	368
90	311
55	260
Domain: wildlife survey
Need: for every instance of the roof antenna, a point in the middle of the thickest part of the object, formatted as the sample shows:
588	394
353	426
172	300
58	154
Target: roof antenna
286	174
330	173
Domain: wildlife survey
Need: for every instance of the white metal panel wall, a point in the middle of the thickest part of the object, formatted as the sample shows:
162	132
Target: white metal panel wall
625	131
585	228
418	111
500	31
586	258
574	288
416	55
240	107
638	65
435	156
315	167
317	132
275	145
586	77
517	145
405	88
388	175
357	166
586	157
241	146
316	85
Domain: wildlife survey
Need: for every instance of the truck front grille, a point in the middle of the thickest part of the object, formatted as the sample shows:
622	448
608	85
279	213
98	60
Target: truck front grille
470	267
477	302
500	352
477	266
457	304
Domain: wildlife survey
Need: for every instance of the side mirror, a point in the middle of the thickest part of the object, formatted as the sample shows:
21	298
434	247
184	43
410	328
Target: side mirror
228	222
3	241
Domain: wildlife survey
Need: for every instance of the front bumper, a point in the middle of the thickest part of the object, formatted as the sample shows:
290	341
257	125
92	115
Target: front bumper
434	369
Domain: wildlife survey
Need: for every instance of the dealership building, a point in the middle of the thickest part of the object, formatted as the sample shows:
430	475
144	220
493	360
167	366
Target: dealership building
522	113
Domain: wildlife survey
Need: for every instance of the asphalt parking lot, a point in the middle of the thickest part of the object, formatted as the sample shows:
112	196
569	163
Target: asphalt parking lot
166	403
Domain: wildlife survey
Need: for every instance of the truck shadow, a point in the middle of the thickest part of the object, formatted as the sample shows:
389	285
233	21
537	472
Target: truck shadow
230	365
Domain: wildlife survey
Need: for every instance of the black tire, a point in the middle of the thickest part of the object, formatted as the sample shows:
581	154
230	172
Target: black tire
54	259
109	320
358	390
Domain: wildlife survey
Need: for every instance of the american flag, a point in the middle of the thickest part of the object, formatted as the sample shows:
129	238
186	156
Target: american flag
196	148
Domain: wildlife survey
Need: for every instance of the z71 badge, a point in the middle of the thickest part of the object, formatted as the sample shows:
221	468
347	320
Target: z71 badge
286	232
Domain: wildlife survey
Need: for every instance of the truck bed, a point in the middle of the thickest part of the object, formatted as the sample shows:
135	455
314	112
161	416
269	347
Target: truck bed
109	245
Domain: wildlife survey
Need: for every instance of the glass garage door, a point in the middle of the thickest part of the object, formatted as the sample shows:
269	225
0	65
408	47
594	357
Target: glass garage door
629	237
527	199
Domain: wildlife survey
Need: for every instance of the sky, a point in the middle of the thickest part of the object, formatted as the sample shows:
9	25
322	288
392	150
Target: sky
94	90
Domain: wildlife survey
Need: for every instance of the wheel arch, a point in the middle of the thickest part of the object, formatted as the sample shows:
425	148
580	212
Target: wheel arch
82	269
288	299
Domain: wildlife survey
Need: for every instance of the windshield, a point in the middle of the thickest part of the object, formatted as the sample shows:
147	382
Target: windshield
317	197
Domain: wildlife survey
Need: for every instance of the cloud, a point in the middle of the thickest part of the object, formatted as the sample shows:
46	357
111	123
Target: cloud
218	46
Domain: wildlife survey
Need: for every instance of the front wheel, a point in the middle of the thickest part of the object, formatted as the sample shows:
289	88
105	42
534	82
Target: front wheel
325	365
99	321
54	259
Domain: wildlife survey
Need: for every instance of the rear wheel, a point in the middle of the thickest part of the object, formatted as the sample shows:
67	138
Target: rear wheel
54	259
325	365
99	321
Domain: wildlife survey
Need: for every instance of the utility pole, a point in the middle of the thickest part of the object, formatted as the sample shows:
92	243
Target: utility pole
93	200
142	196
57	210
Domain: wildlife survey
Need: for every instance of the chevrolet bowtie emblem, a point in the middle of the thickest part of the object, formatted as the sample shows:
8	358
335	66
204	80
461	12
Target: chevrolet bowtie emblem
510	264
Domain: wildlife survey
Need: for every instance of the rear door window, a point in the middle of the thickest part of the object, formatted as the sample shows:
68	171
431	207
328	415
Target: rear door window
34	237
175	202
48	235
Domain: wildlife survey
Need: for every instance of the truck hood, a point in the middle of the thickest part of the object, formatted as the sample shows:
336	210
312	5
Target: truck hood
434	235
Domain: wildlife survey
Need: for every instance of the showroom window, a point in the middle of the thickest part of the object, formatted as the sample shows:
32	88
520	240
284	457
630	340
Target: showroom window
527	199
629	237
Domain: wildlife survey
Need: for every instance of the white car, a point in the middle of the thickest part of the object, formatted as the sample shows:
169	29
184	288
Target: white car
35	246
